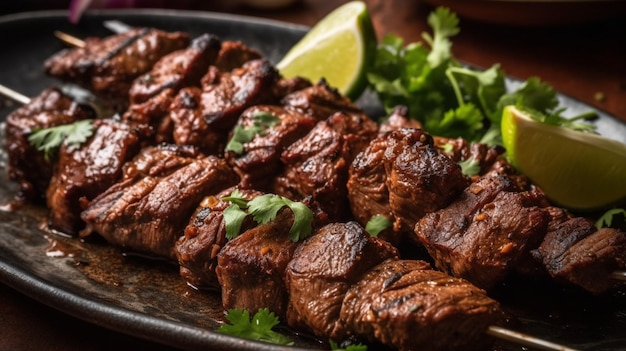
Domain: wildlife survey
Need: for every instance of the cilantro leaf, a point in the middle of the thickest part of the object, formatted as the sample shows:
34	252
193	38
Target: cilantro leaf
445	24
264	209
470	167
377	224
609	217
50	139
352	347
233	217
261	121
258	328
448	98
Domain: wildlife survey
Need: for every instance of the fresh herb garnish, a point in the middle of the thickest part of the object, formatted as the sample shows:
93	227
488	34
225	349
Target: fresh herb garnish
448	98
258	328
352	347
261	121
377	224
263	209
610	217
470	167
50	139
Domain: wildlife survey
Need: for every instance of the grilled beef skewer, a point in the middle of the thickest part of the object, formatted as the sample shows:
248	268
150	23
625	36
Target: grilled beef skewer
107	66
405	147
27	166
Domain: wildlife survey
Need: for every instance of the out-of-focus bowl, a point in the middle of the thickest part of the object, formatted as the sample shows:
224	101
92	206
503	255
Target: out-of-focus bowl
536	12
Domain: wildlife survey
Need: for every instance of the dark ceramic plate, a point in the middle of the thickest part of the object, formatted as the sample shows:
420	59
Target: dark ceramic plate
147	299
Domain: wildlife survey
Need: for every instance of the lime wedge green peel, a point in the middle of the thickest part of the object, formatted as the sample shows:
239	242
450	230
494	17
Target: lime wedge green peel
339	48
576	170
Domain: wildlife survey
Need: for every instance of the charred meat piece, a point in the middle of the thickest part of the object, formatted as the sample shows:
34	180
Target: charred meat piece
250	267
234	54
259	162
177	70
83	173
154	112
322	270
286	86
398	119
150	213
484	233
318	163
27	165
402	176
225	95
188	126
408	306
461	150
108	66
578	253
161	160
204	237
319	100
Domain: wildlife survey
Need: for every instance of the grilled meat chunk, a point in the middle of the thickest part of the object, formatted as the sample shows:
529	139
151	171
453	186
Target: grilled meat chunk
148	214
402	176
398	119
259	160
408	306
234	54
27	165
83	173
154	112
225	95
483	155
250	267
187	122
318	163
178	69
484	233
108	66
322	270
204	237
319	100
578	253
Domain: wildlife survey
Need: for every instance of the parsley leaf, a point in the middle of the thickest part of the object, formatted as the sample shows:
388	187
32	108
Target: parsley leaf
261	121
50	139
258	328
377	224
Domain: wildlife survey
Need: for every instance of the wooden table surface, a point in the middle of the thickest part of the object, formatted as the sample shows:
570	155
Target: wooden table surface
586	61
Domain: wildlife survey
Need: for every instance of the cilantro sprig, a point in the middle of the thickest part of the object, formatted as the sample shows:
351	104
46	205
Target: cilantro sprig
50	139
264	209
261	121
451	99
259	327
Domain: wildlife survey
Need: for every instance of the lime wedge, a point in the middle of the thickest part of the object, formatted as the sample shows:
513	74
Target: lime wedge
338	48
576	170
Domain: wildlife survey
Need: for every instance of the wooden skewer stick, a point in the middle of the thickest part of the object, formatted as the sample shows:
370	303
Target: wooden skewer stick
114	26
69	39
619	275
525	340
14	95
